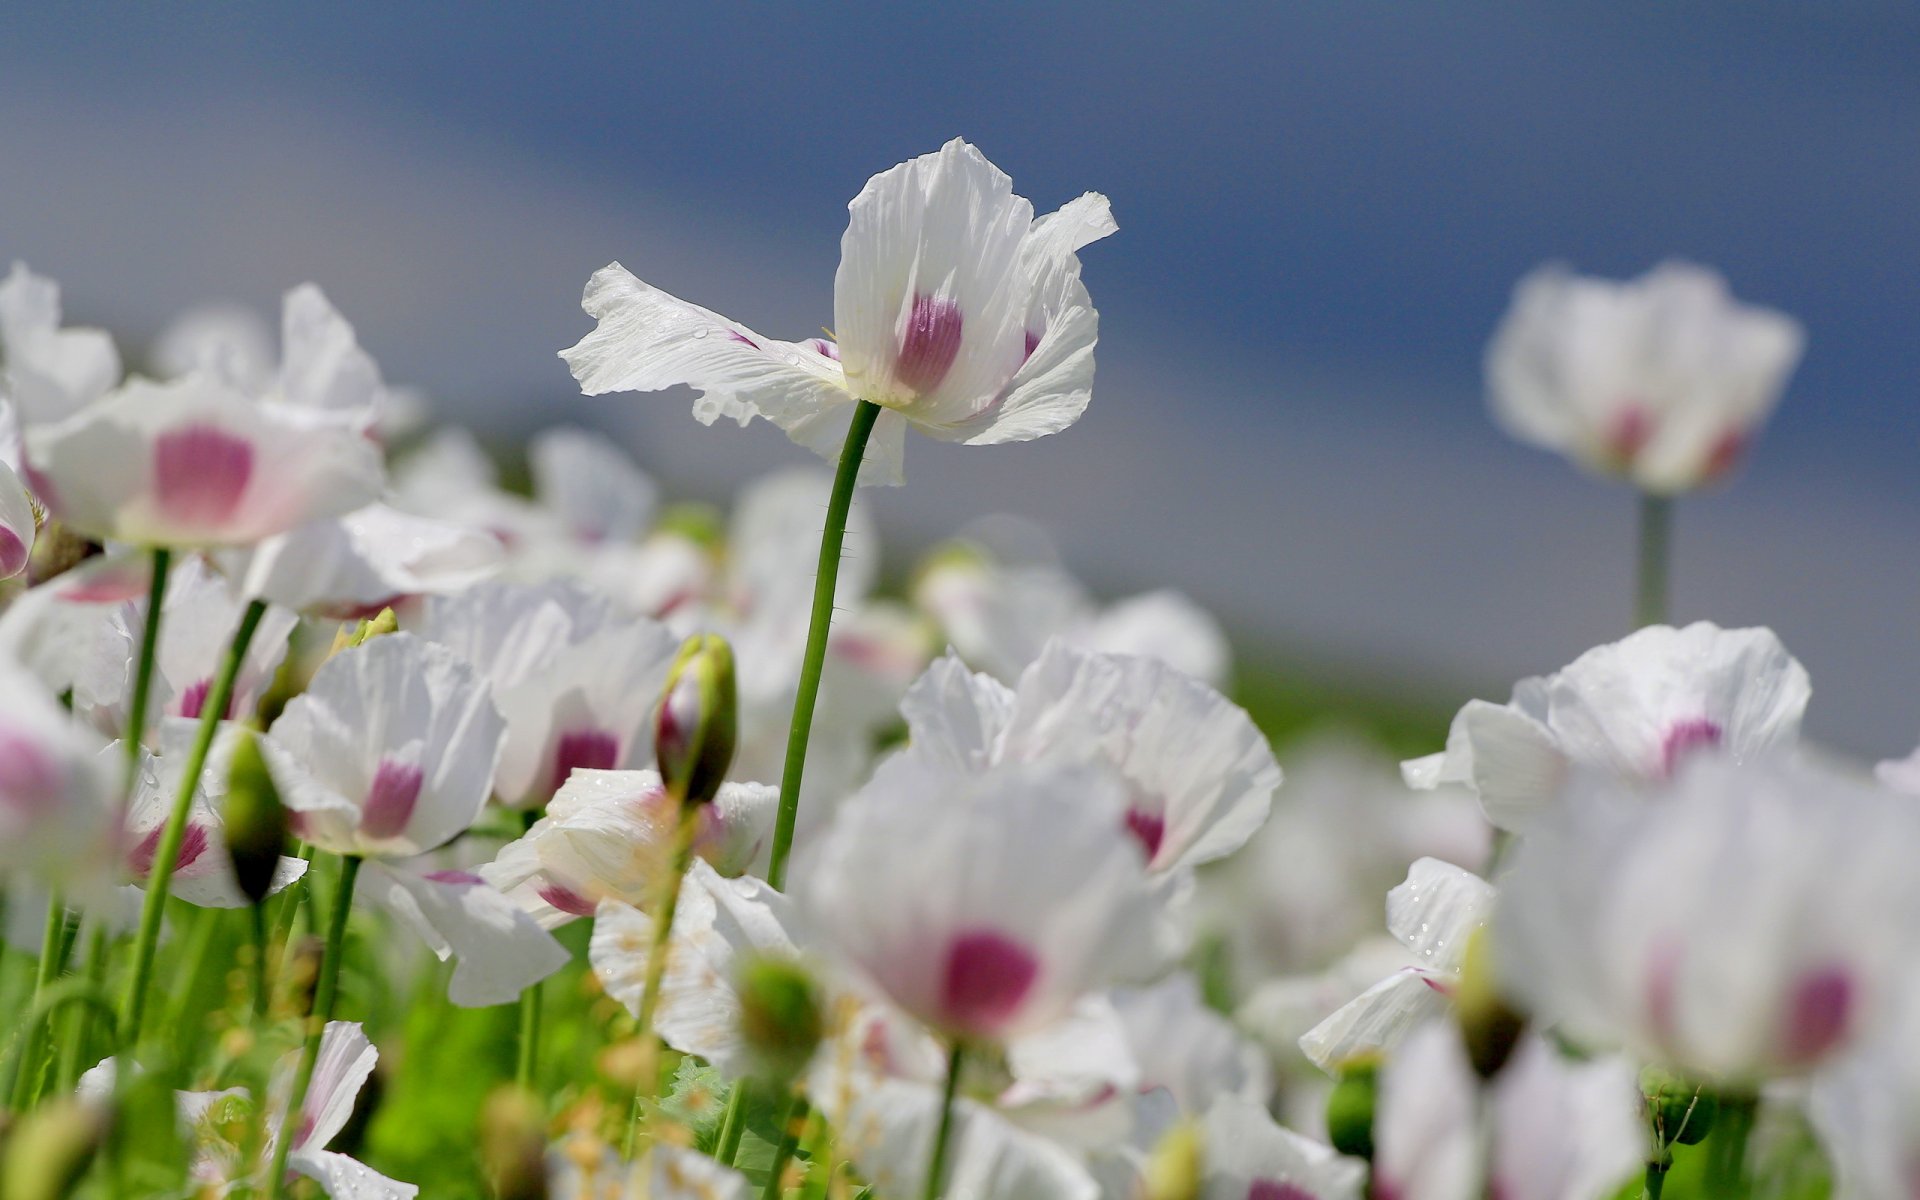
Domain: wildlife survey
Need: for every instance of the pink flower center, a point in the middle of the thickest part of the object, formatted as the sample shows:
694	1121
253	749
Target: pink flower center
1726	453
1685	737
1818	1014
456	878
192	845
583	750
390	798
1632	430
567	900
931	343
193	701
988	975
29	777
13	553
1147	828
200	475
1273	1189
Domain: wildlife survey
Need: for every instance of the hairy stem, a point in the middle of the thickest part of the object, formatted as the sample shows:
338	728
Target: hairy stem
323	996
937	1162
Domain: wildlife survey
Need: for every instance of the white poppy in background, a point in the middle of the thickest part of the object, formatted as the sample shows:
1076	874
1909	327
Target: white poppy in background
1664	380
202	870
1902	775
230	342
1184	1046
1246	1156
1306	888
592	485
49	372
1199	774
575	680
198	618
1866	1110
954	309
1636	709
355	565
388	754
999	615
1561	1130
609	835
58	793
986	904
1434	914
195	463
1750	923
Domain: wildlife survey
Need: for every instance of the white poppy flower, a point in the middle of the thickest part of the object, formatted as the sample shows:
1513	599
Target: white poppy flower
202	870
954	310
50	372
499	950
575	681
1663	380
389	752
1561	1130
1636	709
1747	923
199	615
592	485
1433	914
54	628
986	904
58	793
1189	1049
999	616
1866	1109
357	564
230	342
609	835
1200	776
195	463
1248	1157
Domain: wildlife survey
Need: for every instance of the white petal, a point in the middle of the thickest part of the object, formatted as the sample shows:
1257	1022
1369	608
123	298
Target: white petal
592	484
956	717
499	950
1375	1020
322	365
343	1178
371	557
51	372
1426	1144
1244	1148
16	523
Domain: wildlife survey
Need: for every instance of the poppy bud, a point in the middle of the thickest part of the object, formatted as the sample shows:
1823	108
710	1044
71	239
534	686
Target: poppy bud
1350	1108
780	1017
695	730
256	820
1678	1110
1177	1166
50	1150
1489	1025
381	622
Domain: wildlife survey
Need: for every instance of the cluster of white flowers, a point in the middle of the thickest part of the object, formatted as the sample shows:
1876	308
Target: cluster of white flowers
983	890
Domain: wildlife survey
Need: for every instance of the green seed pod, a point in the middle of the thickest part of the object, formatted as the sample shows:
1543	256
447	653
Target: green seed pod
697	523
698	720
1488	1024
50	1151
780	1017
256	821
1350	1108
1678	1110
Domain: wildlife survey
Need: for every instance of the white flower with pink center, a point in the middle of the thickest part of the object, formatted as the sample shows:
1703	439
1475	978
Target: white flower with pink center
1866	1109
1636	709
1750	921
353	566
1199	774
57	791
1663	380
1560	1130
202	870
609	835
954	309
575	680
196	463
987	904
50	372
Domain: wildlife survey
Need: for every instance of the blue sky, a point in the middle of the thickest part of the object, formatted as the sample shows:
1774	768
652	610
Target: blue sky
1322	209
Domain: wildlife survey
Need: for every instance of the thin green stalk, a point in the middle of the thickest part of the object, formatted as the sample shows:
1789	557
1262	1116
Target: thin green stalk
649	1084
316	1024
187	985
262	986
290	901
1656	1179
937	1163
133	1009
1727	1147
1656	554
734	1122
820	1159
143	672
75	1050
529	1036
52	958
824	580
791	1124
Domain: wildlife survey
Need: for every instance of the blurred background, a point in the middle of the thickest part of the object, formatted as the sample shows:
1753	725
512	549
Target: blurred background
1323	210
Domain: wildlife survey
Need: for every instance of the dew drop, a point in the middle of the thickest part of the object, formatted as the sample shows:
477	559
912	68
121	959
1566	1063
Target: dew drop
700	332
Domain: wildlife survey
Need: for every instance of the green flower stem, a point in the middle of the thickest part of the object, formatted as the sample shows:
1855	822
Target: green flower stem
290	901
77	1048
136	729
1656	1178
838	505
791	1125
52	958
262	985
820	1159
187	985
133	1008
529	1060
937	1163
1726	1147
1656	554
663	910
734	1122
323	997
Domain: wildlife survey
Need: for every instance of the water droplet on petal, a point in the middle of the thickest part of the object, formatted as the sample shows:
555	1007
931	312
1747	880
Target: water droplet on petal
700	332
